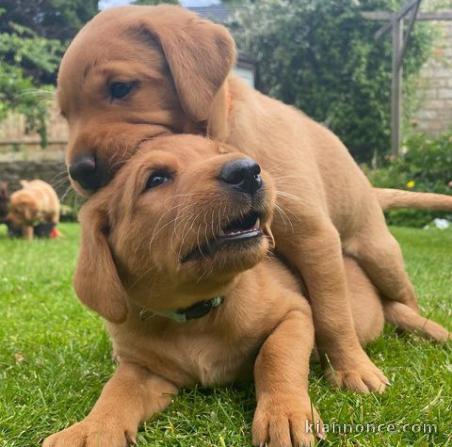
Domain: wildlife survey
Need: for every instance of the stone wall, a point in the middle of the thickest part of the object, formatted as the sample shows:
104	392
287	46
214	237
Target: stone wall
52	172
434	92
13	127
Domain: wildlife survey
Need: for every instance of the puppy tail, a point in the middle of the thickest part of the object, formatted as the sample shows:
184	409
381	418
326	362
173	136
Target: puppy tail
405	318
391	199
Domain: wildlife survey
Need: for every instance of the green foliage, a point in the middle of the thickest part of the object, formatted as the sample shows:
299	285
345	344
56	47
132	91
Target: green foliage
427	166
33	35
54	19
23	52
322	57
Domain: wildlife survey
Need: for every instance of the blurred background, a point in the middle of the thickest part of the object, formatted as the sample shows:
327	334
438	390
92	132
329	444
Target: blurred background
319	55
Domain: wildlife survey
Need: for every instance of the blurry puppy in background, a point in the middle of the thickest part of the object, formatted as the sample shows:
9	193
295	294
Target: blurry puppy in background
36	203
175	256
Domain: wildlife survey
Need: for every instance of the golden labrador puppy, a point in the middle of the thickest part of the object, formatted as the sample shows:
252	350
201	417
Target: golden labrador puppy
36	202
174	255
136	72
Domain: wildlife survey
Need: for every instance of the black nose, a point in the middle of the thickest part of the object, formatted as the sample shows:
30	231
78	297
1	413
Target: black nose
243	174
86	172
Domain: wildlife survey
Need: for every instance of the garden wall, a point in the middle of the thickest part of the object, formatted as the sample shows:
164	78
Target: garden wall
434	112
48	167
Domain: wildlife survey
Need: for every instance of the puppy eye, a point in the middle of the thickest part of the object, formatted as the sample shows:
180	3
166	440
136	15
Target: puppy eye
158	178
119	90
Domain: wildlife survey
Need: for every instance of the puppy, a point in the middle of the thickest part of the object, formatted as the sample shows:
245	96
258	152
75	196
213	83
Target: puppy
174	255
137	72
36	202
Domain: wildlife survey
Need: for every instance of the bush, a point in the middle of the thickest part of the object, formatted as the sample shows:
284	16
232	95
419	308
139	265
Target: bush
321	56
19	91
427	167
33	35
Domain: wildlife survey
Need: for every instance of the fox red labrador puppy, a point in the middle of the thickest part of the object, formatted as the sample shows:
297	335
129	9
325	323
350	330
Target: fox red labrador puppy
136	72
174	255
35	203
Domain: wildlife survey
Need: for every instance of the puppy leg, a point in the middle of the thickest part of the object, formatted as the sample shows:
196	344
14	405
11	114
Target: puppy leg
130	397
380	256
284	415
317	253
370	310
407	319
27	232
366	303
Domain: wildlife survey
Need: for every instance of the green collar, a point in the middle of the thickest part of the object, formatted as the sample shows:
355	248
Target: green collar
198	310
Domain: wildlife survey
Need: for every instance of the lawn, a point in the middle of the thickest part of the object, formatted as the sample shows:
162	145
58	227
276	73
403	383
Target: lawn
55	357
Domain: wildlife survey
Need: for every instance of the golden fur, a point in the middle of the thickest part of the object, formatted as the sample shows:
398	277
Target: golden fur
179	69
36	202
134	242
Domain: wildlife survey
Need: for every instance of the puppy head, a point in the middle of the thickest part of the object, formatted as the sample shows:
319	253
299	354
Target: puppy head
23	209
175	226
133	73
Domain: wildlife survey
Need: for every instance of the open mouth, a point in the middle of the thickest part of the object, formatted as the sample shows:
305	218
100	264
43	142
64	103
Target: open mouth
243	229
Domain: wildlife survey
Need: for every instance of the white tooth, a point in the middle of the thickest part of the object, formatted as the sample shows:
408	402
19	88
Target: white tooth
258	223
221	233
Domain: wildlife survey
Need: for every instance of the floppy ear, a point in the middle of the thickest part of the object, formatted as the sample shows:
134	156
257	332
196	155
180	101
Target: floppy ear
200	55
96	279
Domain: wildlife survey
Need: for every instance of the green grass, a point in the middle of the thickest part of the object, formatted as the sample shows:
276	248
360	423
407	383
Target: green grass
55	357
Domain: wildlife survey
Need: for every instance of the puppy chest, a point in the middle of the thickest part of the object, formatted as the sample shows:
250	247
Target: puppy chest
187	357
217	362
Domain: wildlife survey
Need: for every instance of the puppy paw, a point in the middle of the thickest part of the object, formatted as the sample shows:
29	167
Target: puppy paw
361	377
92	434
288	421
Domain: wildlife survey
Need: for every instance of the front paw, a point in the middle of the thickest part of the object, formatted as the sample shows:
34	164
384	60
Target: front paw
357	375
286	421
92	434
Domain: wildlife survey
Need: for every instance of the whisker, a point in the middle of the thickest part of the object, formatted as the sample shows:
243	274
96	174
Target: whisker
288	196
284	215
65	193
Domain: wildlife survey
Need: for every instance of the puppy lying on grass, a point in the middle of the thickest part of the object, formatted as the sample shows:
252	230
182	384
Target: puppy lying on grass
175	255
36	203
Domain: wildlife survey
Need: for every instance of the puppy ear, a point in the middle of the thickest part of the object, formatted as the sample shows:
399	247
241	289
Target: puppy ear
96	279
200	55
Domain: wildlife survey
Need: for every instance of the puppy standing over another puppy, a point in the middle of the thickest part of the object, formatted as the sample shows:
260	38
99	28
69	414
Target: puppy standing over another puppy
136	72
36	202
174	254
